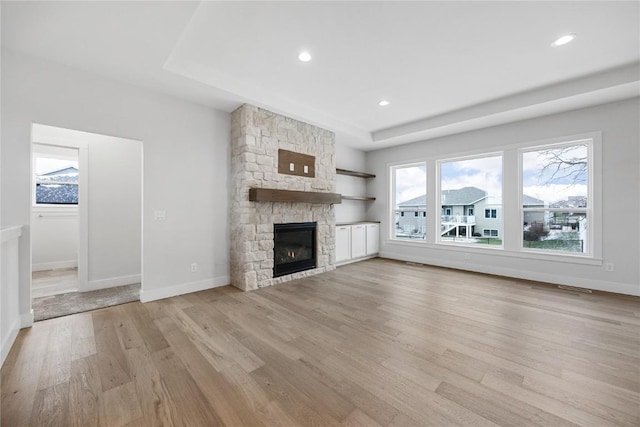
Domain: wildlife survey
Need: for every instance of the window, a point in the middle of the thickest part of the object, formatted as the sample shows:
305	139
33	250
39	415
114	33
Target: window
469	184
409	193
490	213
556	209
56	181
489	233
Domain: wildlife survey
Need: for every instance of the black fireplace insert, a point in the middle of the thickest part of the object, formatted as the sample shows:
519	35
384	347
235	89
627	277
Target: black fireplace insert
294	247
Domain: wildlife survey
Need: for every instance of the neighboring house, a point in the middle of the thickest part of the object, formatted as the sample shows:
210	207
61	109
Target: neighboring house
540	217
411	216
58	187
465	211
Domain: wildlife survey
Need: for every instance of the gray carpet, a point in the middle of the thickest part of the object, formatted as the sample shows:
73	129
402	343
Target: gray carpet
78	302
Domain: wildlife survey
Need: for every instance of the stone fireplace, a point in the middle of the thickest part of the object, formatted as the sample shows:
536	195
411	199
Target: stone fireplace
256	137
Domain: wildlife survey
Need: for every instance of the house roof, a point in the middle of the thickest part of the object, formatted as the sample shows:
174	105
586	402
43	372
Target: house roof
531	201
460	196
417	201
62	171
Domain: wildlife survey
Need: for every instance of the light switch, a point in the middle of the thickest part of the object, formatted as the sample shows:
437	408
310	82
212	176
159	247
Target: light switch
306	169
292	167
159	215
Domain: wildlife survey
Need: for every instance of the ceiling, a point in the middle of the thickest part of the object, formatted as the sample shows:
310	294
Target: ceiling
445	67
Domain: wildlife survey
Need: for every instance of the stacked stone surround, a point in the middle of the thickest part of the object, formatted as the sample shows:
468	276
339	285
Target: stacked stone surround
256	136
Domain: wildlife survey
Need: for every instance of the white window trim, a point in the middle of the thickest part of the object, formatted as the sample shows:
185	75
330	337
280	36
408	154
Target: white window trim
448	159
392	198
511	184
592	201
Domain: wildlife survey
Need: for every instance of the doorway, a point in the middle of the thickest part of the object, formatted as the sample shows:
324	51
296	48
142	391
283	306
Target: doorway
86	221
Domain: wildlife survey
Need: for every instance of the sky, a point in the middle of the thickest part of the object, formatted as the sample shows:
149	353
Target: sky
44	165
542	185
486	174
411	182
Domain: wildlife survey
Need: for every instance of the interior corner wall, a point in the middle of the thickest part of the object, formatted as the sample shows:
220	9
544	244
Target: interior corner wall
619	125
185	168
350	159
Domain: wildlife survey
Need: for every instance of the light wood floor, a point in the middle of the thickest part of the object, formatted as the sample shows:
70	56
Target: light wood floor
373	343
54	282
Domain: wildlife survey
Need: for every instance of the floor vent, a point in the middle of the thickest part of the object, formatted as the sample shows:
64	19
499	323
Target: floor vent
573	288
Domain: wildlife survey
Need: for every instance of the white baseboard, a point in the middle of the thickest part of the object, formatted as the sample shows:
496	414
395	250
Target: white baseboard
8	341
147	295
26	319
43	266
349	261
598	285
94	285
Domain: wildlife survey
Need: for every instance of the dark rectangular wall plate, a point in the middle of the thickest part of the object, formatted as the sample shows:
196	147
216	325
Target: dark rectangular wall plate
302	164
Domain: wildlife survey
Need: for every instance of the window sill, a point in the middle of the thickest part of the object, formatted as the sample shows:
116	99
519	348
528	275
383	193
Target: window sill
498	250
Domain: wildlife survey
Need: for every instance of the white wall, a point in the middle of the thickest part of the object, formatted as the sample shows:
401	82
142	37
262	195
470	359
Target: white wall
619	125
185	170
350	159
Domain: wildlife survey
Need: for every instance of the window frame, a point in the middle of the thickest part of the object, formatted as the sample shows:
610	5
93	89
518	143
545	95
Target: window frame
448	159
512	219
588	210
392	197
34	184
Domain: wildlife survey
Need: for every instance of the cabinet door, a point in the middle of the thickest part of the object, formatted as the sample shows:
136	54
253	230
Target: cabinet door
358	241
373	238
343	243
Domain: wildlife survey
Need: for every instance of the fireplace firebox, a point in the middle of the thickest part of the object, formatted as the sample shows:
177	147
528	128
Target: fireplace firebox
294	247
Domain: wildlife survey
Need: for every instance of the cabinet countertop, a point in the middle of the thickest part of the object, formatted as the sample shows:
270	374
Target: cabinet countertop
341	224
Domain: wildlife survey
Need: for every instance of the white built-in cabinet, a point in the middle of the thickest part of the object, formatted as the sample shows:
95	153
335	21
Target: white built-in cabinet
357	241
343	243
373	238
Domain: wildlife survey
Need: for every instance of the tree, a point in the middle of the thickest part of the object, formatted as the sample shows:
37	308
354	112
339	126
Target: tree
566	163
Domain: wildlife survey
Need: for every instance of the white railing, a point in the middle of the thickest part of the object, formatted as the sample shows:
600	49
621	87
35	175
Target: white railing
458	219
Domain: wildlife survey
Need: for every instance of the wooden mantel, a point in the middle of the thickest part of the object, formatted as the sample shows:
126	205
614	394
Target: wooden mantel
273	195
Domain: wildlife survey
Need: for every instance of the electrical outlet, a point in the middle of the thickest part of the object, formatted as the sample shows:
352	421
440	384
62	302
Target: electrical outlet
467	256
608	266
194	267
292	167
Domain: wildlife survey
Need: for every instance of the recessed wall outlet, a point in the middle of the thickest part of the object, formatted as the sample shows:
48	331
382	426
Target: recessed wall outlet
159	215
292	167
194	267
608	266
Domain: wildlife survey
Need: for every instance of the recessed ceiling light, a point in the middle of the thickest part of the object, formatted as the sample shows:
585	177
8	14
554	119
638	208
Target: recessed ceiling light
564	40
304	56
383	103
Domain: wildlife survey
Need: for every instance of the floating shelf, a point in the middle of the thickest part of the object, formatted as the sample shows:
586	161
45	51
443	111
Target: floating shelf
288	196
364	199
354	173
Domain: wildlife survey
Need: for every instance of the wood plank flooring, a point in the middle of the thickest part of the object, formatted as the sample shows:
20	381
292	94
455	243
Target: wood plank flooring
376	343
53	282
